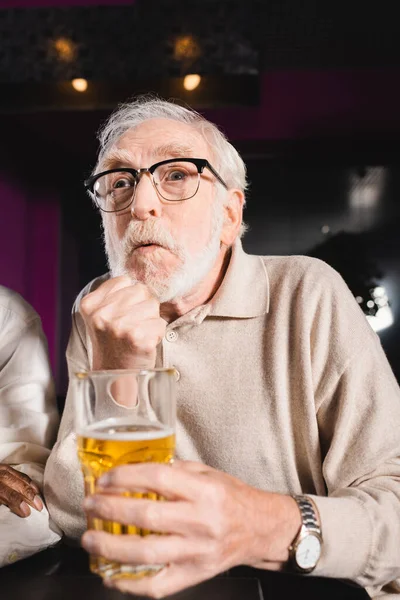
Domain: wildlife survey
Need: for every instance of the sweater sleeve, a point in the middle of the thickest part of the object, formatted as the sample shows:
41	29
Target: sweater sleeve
358	414
63	481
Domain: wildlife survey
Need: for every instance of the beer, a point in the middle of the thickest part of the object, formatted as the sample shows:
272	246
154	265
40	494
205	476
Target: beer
112	442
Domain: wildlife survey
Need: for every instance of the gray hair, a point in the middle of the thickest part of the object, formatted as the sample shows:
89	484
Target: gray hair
127	116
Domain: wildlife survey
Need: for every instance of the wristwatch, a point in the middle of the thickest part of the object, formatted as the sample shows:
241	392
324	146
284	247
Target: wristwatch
305	550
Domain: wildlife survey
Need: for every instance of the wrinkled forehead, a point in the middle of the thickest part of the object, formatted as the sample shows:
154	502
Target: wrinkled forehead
153	141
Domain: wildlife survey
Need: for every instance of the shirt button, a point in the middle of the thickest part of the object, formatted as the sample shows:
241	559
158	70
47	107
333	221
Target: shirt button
171	336
12	557
177	374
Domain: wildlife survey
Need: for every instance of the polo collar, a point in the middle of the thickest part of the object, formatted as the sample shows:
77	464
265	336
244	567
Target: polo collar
244	292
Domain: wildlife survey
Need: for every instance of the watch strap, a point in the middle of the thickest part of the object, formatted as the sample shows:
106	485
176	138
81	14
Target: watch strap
308	513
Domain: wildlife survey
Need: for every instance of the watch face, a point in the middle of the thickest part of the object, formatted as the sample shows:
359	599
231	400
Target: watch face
308	552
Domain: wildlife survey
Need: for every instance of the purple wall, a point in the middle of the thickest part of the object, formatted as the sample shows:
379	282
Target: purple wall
304	104
29	256
13	219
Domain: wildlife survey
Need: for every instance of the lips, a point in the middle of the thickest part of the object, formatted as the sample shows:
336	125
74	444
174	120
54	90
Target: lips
146	248
146	245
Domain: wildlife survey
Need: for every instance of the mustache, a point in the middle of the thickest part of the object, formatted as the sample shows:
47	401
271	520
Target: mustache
149	232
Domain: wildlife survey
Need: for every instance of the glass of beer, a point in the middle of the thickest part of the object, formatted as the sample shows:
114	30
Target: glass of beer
123	417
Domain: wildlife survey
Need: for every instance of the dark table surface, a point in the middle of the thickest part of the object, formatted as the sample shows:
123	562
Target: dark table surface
62	573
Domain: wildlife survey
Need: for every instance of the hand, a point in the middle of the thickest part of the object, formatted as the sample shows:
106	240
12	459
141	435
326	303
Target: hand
213	521
124	324
17	491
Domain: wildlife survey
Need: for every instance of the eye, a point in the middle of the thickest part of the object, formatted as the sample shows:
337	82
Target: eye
176	175
123	182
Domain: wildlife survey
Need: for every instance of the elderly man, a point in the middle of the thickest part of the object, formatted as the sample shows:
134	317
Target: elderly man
288	412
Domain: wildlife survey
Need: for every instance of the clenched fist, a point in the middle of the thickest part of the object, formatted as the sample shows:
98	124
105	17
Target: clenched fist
124	324
18	492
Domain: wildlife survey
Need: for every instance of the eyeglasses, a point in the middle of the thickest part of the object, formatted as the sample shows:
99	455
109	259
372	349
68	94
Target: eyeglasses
175	180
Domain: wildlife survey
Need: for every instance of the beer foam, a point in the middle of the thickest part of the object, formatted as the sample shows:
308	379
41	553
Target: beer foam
108	430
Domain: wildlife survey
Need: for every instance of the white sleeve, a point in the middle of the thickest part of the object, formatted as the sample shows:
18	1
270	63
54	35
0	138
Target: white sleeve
28	427
28	412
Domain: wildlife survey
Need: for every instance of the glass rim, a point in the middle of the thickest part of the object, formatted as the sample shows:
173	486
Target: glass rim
81	375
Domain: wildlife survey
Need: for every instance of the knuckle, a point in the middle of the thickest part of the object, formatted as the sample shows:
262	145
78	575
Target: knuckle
13	497
102	547
103	506
142	341
27	491
118	327
99	322
161	475
84	305
8	478
149	555
150	515
210	529
148	348
138	336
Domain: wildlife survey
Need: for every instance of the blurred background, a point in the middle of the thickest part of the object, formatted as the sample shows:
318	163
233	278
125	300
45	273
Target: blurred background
308	91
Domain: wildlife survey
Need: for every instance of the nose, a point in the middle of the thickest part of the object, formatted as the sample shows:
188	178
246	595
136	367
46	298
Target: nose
146	202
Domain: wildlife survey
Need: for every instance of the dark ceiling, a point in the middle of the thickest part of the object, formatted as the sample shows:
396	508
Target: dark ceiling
120	48
153	38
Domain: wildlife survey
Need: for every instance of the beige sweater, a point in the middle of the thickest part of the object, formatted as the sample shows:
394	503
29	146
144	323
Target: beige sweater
283	384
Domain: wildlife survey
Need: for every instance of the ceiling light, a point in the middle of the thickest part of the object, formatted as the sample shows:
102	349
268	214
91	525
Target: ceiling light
65	49
191	82
80	85
186	48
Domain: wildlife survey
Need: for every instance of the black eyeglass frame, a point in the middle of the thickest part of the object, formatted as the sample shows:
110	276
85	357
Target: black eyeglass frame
200	163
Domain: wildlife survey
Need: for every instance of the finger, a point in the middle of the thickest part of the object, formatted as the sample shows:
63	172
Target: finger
173	578
22	477
12	480
35	487
171	483
136	550
158	516
13	472
126	309
15	489
14	501
95	298
132	301
13	497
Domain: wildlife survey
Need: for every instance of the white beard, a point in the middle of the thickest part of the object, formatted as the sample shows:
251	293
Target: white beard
192	269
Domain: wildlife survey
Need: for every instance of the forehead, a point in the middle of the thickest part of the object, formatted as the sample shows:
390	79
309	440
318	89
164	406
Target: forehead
162	138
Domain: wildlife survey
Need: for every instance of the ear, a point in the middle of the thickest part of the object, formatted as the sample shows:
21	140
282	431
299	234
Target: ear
233	211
